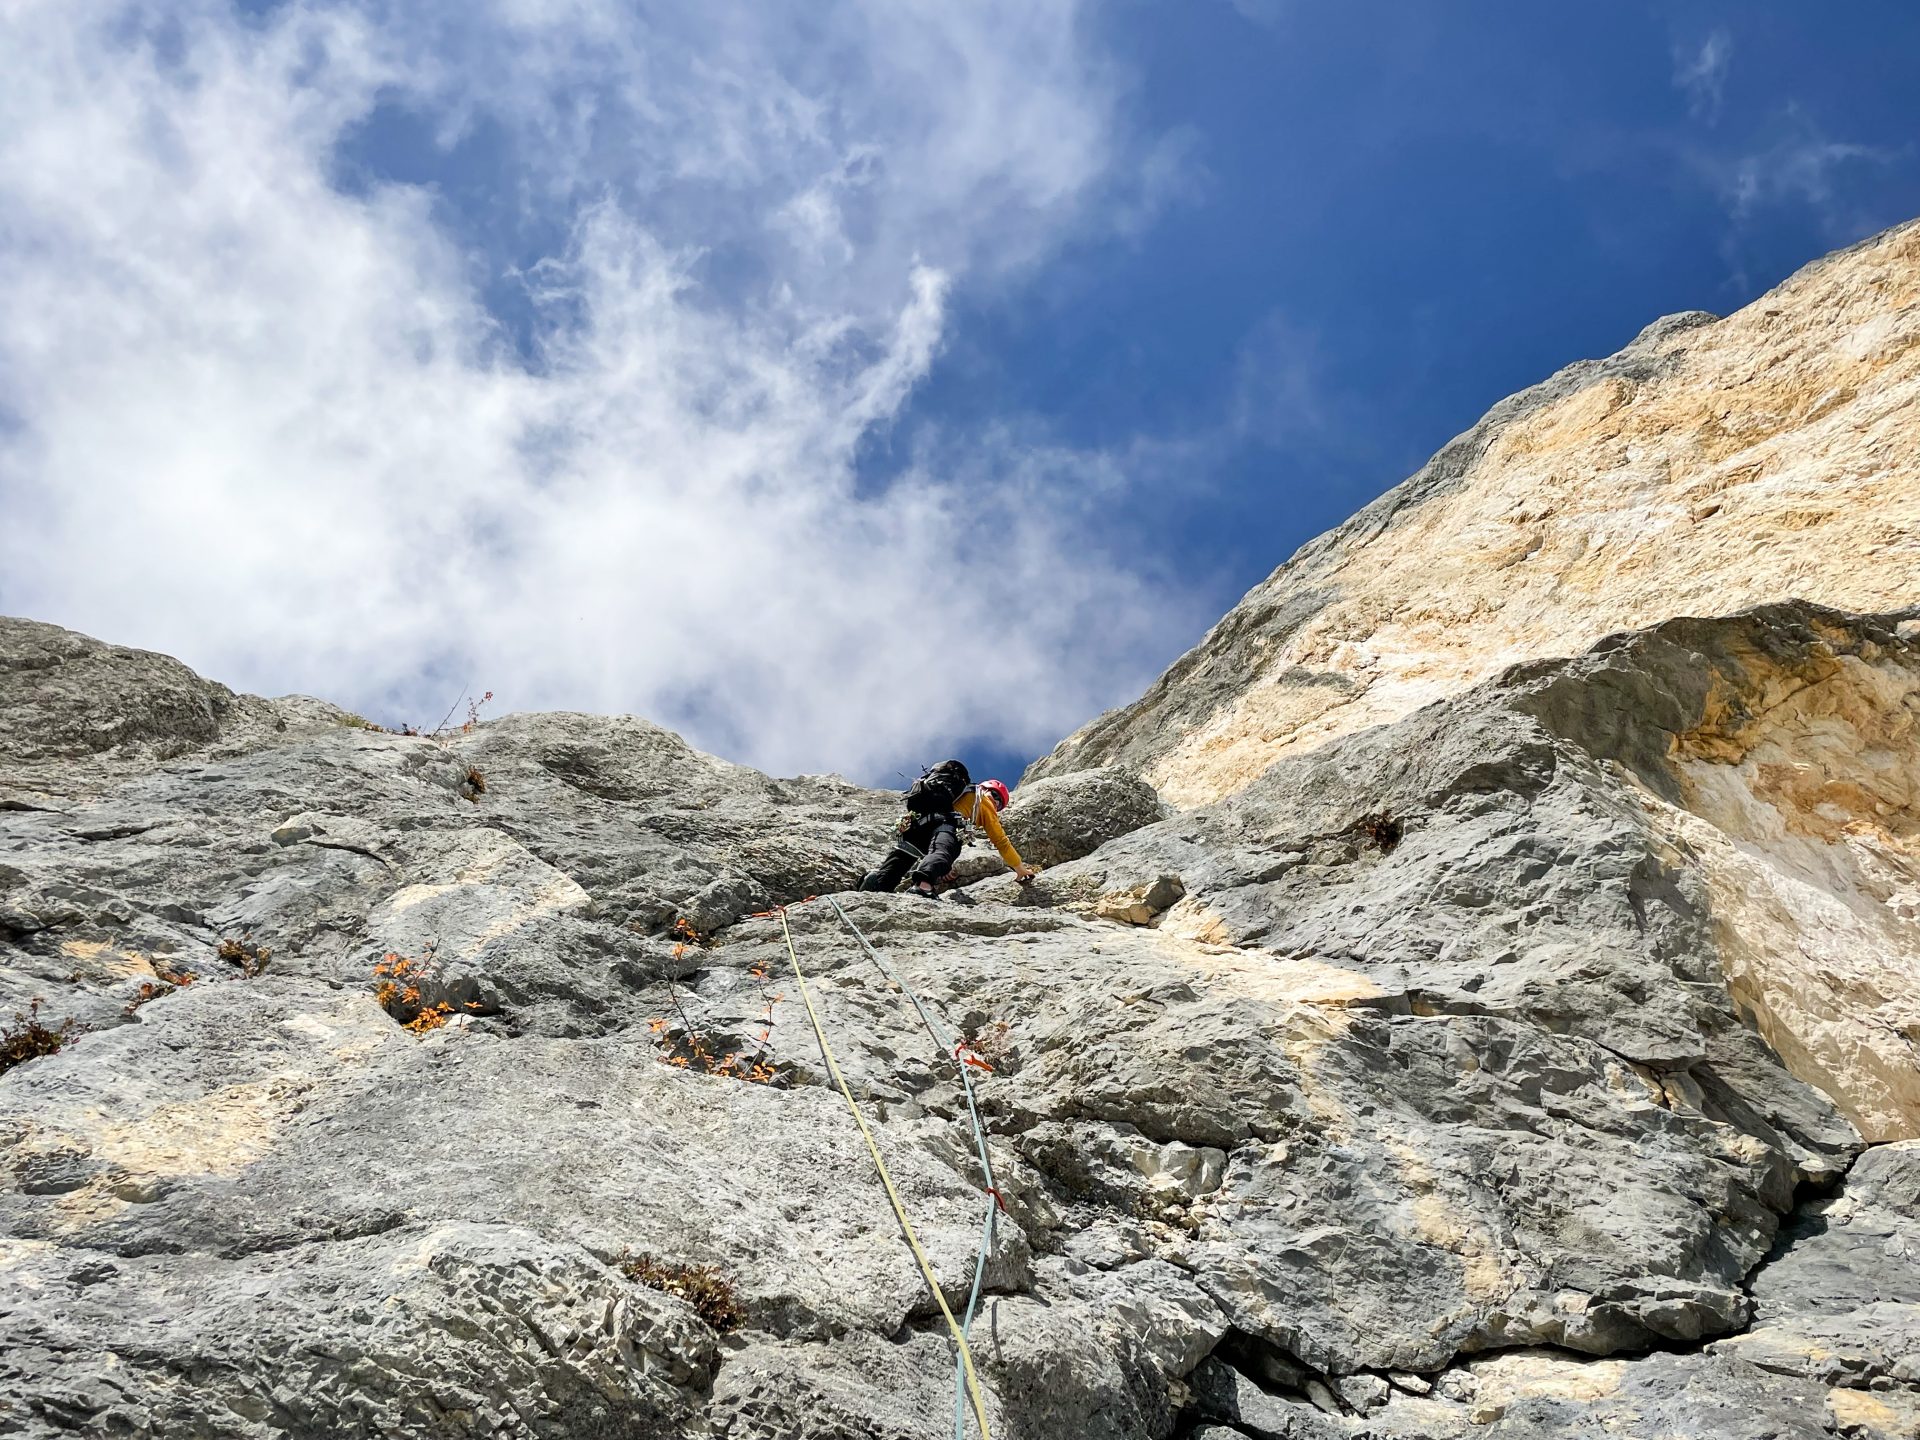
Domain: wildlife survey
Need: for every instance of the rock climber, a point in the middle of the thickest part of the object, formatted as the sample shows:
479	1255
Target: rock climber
938	804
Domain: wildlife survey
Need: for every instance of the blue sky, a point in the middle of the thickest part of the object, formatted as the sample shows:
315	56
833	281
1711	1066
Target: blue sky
840	384
1404	212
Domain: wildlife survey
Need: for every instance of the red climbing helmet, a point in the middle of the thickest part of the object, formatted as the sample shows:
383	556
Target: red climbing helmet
1001	799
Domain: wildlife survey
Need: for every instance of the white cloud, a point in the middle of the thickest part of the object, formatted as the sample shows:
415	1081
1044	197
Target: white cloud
1263	12
1795	166
1805	169
271	427
1702	75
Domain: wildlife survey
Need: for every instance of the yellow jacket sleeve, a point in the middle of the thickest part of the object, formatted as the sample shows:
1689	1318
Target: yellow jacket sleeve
988	819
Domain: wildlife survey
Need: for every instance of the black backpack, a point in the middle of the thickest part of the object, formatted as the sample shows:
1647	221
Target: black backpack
935	792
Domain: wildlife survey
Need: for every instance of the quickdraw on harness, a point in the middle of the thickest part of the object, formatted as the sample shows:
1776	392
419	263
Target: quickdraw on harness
966	1381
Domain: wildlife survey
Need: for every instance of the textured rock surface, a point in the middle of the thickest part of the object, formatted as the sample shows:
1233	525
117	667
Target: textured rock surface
1780	755
1710	466
1337	1101
1053	821
1535	1063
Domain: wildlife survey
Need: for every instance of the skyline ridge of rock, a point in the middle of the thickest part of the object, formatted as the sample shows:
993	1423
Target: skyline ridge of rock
1710	465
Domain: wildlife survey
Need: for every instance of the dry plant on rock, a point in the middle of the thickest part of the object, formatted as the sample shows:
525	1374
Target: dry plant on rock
29	1039
705	1287
1381	830
168	979
691	1046
397	986
250	959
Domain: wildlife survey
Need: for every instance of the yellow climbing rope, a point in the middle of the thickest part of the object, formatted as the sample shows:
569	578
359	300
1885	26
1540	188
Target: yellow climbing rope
886	1180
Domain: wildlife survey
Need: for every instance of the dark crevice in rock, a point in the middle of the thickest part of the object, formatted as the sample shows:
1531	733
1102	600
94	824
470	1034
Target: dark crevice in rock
1252	1386
1245	1375
1794	1227
104	833
369	1228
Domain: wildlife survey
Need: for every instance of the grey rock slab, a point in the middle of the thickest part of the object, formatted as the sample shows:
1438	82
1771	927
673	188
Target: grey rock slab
1159	1307
439	1329
1859	1247
253	1118
1839	1299
1398	1187
1870	1346
1542	1394
1051	1364
1063	818
1363	1394
1337	1107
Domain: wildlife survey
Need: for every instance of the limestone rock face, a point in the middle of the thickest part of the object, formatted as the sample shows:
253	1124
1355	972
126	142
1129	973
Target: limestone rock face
1710	466
1060	819
1780	754
1525	1052
1418	1059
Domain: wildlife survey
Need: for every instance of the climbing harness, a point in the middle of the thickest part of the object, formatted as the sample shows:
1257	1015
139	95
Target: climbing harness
972	1380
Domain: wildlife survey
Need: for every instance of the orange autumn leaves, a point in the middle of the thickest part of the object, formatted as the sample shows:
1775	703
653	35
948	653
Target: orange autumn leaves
690	1046
397	982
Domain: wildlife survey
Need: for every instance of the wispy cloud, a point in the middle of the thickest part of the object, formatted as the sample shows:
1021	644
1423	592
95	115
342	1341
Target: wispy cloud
273	427
1804	168
1791	171
1701	74
1263	12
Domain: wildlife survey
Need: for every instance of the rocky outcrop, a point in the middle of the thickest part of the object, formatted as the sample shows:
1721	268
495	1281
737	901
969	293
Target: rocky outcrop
77	716
1421	1059
1831	1350
1072	815
1531	1060
1780	754
1710	466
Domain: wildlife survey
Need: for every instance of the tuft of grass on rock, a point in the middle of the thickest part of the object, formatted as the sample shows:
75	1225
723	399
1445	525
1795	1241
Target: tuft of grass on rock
705	1287
29	1039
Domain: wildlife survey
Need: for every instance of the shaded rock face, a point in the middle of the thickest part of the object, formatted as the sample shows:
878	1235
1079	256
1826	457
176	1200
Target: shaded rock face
1780	755
1710	466
1533	1062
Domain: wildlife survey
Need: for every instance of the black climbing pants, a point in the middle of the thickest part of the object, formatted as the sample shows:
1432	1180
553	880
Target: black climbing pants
934	837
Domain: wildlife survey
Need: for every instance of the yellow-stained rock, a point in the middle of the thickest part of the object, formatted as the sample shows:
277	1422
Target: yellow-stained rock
1770	455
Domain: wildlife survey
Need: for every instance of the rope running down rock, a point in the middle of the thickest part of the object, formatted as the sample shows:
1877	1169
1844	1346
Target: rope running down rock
886	1181
951	1048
